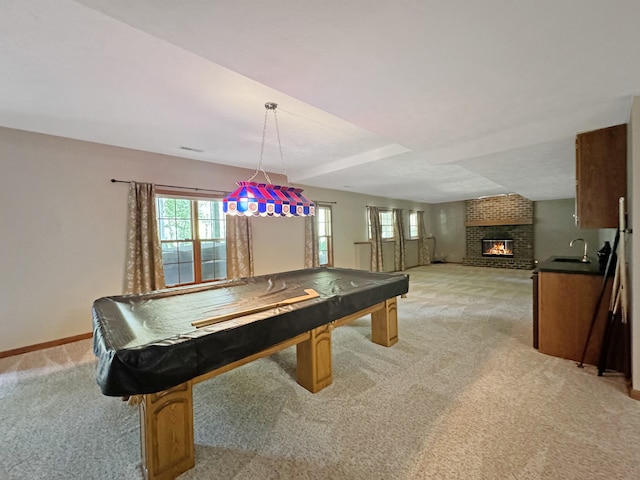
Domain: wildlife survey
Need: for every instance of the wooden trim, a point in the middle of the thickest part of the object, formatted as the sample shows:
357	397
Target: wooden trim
42	346
189	195
635	394
243	361
500	221
384	240
354	316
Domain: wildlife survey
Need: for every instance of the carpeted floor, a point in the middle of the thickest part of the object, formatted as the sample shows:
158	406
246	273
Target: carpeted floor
463	395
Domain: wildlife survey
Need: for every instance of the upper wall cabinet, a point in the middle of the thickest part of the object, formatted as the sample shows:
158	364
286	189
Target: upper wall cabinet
601	176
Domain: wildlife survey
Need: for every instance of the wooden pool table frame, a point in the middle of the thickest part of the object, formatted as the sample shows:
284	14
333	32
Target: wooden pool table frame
166	418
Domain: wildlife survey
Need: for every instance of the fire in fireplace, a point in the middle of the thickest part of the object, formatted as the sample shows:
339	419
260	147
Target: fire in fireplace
502	247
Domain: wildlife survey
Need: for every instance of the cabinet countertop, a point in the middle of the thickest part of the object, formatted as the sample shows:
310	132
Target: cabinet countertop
553	265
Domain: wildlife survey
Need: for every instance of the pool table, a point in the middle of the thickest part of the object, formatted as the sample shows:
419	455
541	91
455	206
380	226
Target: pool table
152	346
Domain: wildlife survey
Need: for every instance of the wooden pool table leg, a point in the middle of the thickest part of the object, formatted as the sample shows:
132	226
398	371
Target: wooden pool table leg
384	324
166	432
313	363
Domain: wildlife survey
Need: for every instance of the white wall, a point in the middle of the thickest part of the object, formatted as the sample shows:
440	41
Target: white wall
63	228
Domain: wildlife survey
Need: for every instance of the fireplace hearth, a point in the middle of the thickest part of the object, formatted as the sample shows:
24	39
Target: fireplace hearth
501	247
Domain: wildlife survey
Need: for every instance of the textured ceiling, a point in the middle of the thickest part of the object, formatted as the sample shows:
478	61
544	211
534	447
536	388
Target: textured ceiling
426	100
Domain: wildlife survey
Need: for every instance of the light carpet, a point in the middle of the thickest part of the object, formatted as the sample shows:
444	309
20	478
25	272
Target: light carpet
463	395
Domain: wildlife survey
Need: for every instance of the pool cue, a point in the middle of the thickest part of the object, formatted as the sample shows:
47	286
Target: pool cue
310	293
619	304
608	330
611	265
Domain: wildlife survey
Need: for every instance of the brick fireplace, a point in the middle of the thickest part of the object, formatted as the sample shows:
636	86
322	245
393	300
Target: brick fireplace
506	220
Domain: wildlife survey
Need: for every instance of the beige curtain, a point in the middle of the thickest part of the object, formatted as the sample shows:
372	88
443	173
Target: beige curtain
376	239
239	247
311	255
144	254
399	251
424	255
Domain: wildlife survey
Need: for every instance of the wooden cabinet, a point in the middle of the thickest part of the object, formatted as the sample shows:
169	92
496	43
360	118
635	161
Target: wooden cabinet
601	176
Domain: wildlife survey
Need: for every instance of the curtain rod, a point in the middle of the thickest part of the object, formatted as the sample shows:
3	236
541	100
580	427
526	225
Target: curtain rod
113	180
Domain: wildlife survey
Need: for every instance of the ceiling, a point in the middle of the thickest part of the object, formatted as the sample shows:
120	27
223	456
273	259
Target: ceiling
425	100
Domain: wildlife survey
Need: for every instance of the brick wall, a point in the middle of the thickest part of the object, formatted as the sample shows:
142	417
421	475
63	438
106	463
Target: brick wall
510	211
509	208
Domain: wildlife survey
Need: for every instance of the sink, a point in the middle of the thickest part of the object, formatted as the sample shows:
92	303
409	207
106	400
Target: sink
570	260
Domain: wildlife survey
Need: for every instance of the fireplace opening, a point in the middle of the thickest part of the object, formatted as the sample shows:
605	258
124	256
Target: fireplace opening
501	247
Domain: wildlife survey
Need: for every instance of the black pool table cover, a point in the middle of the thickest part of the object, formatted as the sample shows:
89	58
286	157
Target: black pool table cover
145	343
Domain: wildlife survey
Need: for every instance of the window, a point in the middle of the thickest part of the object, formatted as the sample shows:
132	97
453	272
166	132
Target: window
386	224
325	238
413	225
193	237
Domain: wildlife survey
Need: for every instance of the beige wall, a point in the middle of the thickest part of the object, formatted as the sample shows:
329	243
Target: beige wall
447	225
554	228
350	223
64	228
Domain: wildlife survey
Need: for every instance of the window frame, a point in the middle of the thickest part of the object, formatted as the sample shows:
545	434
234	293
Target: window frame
329	237
414	214
384	211
196	240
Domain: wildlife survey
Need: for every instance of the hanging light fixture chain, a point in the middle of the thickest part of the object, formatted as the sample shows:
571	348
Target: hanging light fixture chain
284	169
258	199
268	106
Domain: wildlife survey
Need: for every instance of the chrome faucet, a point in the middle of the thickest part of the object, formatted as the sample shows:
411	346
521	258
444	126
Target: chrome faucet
584	258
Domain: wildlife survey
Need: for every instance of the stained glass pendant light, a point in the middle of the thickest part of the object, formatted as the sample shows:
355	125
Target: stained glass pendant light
266	199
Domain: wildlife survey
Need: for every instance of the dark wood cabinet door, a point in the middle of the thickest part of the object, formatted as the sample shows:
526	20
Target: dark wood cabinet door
601	176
